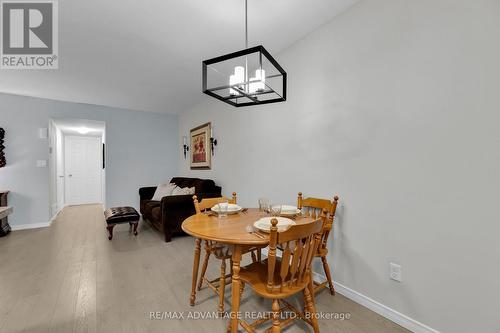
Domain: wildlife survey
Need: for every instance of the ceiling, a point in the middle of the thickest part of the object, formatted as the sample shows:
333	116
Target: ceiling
74	126
146	55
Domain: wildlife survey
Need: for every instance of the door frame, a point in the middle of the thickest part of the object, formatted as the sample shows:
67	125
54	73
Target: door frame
57	132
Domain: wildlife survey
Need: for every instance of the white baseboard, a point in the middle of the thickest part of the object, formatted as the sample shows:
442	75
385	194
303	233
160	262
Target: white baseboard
56	214
381	309
30	226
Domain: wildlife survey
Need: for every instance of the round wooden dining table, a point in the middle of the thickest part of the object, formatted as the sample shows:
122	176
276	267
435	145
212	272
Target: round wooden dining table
230	230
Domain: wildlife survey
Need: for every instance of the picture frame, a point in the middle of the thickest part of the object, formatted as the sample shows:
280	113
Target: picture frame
200	156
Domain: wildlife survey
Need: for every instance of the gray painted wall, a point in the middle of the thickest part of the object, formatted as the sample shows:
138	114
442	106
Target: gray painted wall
142	149
394	106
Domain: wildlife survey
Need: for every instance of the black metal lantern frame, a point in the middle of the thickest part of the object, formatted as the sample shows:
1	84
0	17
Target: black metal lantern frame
241	95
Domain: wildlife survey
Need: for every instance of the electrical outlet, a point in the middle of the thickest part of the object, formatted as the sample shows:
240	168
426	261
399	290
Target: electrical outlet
396	272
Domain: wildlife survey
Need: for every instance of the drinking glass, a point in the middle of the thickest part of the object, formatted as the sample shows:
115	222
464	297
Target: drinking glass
223	207
275	210
263	205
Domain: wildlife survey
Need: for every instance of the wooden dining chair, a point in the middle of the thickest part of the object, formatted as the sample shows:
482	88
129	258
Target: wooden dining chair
279	278
218	250
313	207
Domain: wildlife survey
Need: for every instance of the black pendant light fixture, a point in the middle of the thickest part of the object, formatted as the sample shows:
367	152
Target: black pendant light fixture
247	77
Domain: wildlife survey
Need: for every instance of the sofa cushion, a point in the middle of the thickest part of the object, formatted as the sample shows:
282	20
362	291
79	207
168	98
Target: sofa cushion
148	208
183	191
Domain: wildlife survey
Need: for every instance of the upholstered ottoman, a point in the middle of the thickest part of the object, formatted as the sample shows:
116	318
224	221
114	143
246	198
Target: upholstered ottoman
119	215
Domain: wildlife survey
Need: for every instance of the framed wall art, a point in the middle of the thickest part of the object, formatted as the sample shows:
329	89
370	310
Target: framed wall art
200	156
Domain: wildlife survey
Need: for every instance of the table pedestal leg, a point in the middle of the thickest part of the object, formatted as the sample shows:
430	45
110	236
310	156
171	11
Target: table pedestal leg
196	264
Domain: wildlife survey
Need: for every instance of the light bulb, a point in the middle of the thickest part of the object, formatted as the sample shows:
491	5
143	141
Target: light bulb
232	81
239	73
260	74
252	86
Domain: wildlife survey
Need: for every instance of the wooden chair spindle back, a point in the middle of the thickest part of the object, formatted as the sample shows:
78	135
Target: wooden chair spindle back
313	205
207	203
299	244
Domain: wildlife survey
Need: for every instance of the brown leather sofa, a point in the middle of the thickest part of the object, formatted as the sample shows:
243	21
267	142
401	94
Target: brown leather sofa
168	214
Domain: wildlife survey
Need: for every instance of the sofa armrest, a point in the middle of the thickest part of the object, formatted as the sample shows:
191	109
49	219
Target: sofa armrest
147	193
218	191
174	210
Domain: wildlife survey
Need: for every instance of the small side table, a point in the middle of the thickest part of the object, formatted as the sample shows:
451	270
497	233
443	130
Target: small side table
4	211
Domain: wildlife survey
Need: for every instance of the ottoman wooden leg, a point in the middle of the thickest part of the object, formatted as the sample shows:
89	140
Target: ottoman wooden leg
110	231
136	224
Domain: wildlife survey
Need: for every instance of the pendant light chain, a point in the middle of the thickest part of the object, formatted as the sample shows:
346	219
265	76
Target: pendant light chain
246	43
246	24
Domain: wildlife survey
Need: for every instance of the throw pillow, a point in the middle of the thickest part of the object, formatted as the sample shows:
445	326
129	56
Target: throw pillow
183	191
163	190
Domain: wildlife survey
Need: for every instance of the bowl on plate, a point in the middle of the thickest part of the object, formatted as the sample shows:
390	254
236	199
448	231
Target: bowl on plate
264	224
231	209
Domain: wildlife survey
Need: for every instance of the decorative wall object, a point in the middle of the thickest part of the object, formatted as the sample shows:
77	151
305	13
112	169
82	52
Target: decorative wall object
4	221
185	146
2	147
201	147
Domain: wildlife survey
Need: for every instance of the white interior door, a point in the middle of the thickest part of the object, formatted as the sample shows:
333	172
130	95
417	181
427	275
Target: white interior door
83	170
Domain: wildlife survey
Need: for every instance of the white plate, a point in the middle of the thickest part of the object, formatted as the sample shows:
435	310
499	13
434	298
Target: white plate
287	210
231	209
264	223
291	213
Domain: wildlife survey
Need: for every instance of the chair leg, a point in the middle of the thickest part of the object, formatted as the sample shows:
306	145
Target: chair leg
242	288
328	275
311	308
222	285
306	310
254	258
205	264
276	320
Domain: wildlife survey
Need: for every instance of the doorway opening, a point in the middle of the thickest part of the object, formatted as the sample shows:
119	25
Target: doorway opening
77	163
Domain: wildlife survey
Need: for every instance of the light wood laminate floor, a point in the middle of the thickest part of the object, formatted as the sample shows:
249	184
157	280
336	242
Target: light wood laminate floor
70	278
